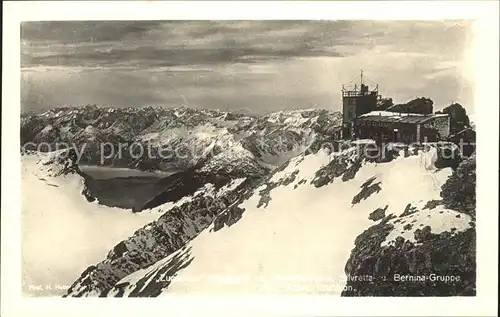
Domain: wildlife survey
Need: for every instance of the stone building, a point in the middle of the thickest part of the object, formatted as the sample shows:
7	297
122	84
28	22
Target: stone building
364	117
385	126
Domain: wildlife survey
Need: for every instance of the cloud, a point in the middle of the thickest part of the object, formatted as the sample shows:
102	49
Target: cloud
260	65
71	32
180	43
111	44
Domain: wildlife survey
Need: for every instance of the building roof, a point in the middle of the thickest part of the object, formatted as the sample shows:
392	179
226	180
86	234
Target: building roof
465	131
396	117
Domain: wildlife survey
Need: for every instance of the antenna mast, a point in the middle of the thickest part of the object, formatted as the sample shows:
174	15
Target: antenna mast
361	77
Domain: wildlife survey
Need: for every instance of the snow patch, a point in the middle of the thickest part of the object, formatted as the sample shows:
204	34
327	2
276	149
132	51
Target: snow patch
363	142
90	129
47	129
439	219
231	186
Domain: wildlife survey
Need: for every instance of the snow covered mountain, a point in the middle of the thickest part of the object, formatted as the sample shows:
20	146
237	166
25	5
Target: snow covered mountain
260	206
178	138
320	223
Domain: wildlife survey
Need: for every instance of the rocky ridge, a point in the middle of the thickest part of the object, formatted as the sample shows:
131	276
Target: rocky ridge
157	240
343	166
402	245
177	138
417	261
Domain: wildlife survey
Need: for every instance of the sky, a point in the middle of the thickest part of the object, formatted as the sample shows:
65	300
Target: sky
246	66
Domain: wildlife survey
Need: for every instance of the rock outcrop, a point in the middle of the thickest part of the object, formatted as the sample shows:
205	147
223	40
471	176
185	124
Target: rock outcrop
459	191
378	214
419	105
435	265
458	117
397	247
159	239
426	263
344	163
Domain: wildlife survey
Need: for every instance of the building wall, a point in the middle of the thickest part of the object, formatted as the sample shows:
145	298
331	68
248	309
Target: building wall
349	115
443	125
435	129
349	108
386	132
353	107
366	104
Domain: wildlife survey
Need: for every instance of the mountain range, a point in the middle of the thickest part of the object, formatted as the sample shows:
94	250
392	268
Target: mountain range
178	138
262	206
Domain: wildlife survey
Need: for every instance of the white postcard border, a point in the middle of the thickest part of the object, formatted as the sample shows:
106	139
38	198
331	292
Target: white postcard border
486	104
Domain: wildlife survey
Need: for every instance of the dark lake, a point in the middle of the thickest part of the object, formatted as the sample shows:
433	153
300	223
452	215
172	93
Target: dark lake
122	187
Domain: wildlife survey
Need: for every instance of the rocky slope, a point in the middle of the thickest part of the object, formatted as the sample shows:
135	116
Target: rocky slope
262	201
401	255
158	239
207	146
266	229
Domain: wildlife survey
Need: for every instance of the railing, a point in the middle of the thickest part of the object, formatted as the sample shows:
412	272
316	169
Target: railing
358	93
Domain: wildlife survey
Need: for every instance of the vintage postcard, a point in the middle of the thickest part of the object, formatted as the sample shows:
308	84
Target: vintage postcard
331	157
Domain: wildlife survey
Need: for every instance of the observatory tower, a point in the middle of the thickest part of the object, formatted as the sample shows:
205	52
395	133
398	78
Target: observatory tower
357	99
